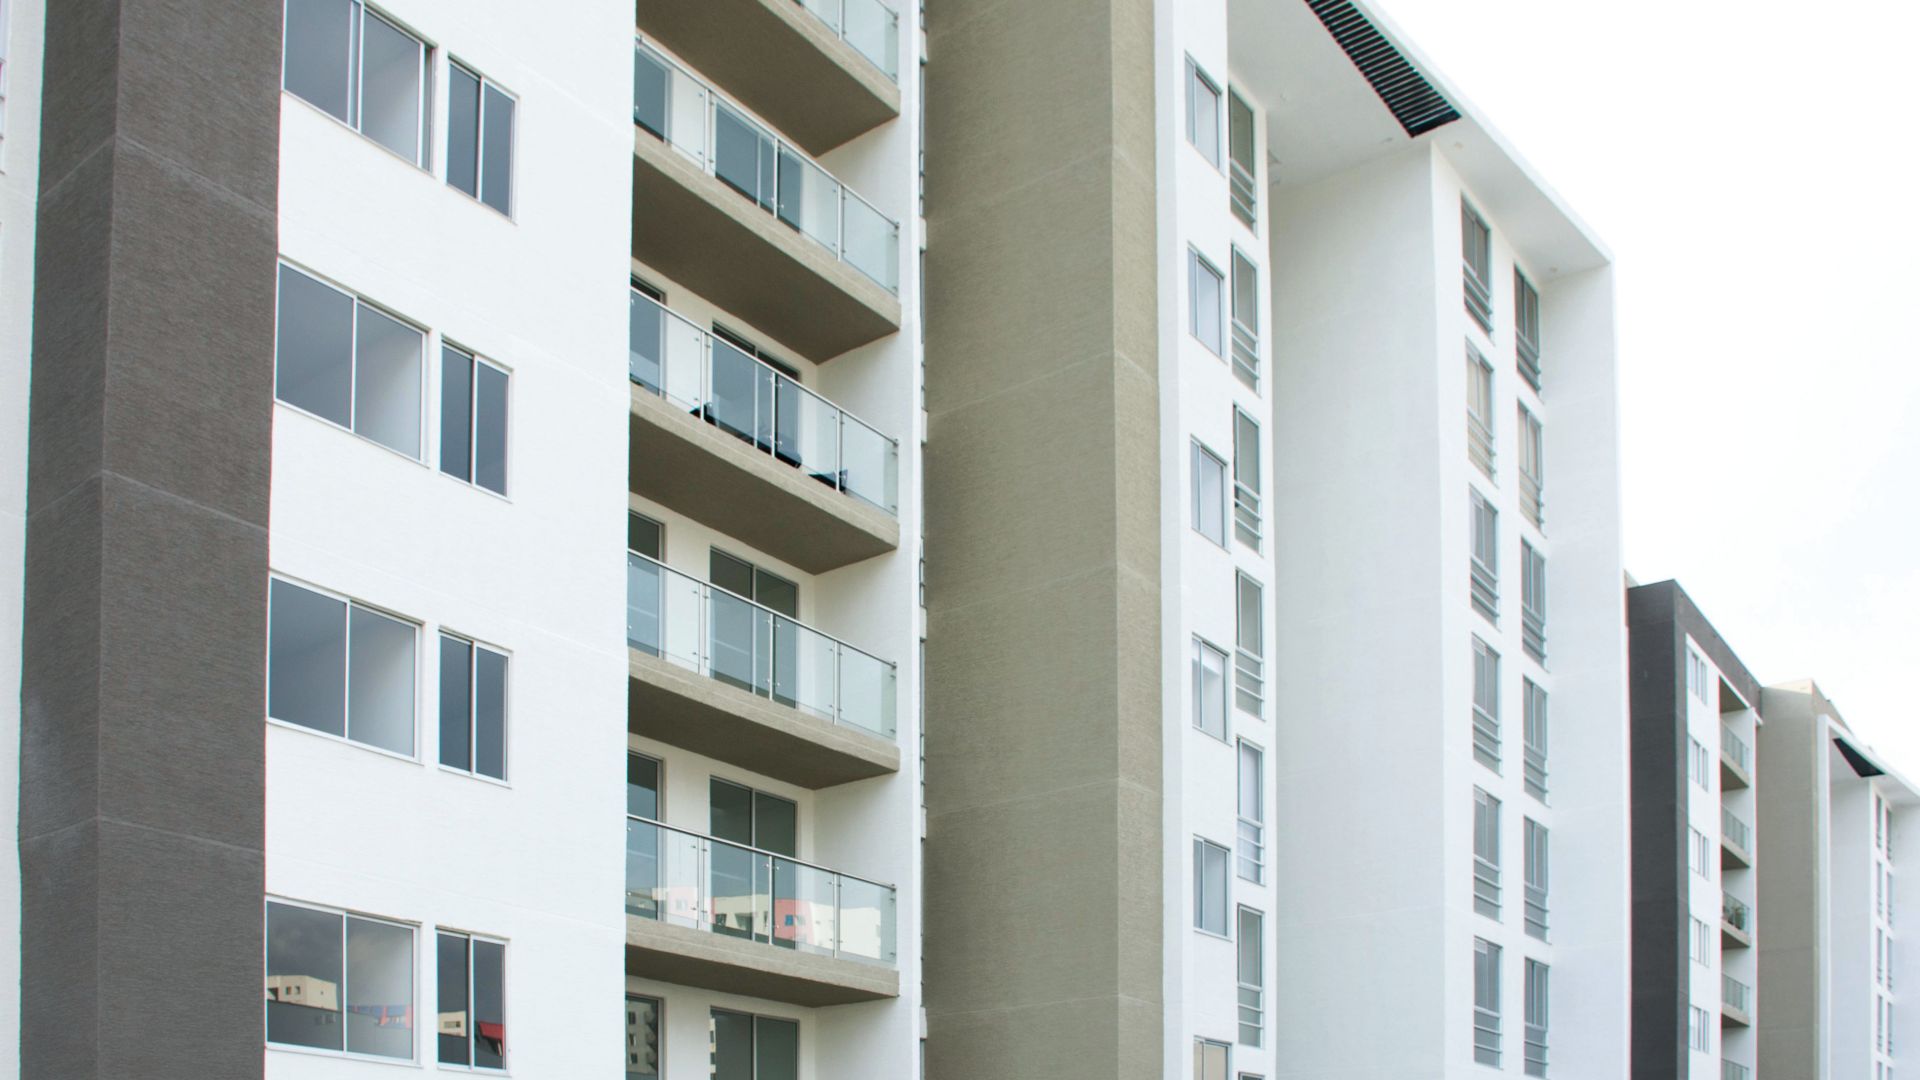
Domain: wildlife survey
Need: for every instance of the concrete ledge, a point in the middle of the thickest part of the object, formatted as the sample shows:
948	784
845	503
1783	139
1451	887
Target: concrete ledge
780	61
1731	774
1732	937
1732	1017
681	461
1733	855
705	235
689	957
667	702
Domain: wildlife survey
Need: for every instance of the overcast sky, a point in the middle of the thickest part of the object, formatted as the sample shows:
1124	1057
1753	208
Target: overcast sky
1752	167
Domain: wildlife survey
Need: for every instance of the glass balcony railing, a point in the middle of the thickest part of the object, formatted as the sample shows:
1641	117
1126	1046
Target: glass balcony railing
1736	913
1733	1070
1735	830
1736	750
686	879
872	28
690	116
709	630
744	397
1737	995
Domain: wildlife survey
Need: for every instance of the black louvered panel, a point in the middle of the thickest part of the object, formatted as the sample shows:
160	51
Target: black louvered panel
1407	93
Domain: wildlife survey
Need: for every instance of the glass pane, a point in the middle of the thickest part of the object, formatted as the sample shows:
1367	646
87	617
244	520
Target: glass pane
803	915
773	591
1250	793
776	1049
490	429
386	381
307	658
489	1005
650	83
644	584
390	72
1246	292
731	574
866	692
1216	889
643	786
866	920
1249	947
809	199
456	703
303	977
463	129
803	668
730	812
872	28
741	400
743	157
871	243
380	681
732	1040
451	977
1206	304
776	824
1240	132
869	465
643	1038
646	869
1249	616
496	146
645	346
456	413
739	886
313	348
379	989
319	36
644	536
741	636
490	714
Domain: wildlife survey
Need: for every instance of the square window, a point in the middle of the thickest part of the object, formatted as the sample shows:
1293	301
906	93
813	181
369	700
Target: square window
362	69
339	668
346	361
339	982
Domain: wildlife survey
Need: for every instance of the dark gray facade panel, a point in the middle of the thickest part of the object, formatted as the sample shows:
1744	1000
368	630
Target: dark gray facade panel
143	679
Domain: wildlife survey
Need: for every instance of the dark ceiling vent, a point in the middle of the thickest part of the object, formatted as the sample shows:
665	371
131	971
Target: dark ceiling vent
1407	93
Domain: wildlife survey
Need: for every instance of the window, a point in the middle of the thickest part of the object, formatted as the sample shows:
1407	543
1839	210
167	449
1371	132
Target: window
1486	705
1533	602
339	668
339	982
1526	328
1246	321
344	360
1246	478
1249	945
1699	679
643	786
1533	468
473	419
1535	843
1479	411
1242	158
1536	1019
1697	764
1699	1030
1209	494
747	1047
1204	286
1209	689
1699	942
1533	707
473	1001
1486	1002
1249	664
1483	577
1211	1060
473	707
362	69
1476	256
1486	854
3	76
643	1037
1203	114
480	138
646	536
741	815
1697	853
1210	887
1252	855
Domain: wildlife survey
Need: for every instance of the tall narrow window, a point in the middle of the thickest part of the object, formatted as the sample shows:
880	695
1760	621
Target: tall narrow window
344	360
1211	1060
1203	113
1699	942
1209	689
1697	764
1486	705
473	707
339	668
1250	944
1533	703
1243	158
473	1025
1533	468
643	1037
643	787
1483	567
1697	853
1699	1029
1486	1002
646	536
1479	411
1526	328
473	419
1210	886
1206	311
339	982
1249	659
364	70
1246	478
1252	854
1246	320
1486	854
1536	1019
1476	256
480	138
1535	840
1533	601
1209	494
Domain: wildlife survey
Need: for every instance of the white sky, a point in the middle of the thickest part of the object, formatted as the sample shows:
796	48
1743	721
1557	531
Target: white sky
1752	167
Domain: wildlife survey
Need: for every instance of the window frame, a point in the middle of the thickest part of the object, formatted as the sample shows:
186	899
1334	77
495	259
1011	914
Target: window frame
470	478
755	1019
1476	262
1251	996
1250	839
1526	317
355	75
1204	851
419	457
346	716
1536	1017
1248	528
1487	741
480	139
1482	448
1243	335
1243	189
1203	650
475	646
1533	601
1532	466
659	1028
1486	1002
1486	854
1249	664
343	915
1197	77
1219	514
473	1025
1201	1044
1198	264
1483	555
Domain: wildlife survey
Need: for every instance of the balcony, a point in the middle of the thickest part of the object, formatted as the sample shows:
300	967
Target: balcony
708	913
731	211
734	444
1736	1002
1736	841
823	71
1736	922
1736	760
1733	1070
720	675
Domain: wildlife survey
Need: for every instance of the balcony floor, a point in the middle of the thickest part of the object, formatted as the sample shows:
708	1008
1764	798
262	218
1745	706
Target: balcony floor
690	957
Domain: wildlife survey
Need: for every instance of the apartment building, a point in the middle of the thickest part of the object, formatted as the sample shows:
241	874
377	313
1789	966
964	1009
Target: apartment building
1286	770
472	505
1831	844
1696	718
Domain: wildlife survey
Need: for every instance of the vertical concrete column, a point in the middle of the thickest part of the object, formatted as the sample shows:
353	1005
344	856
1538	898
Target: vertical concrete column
141	797
1044	853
